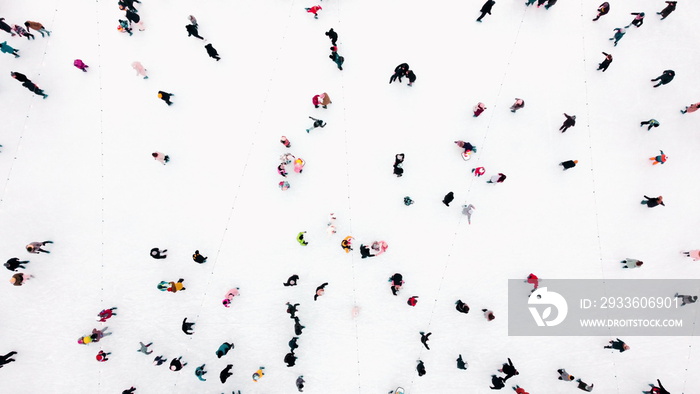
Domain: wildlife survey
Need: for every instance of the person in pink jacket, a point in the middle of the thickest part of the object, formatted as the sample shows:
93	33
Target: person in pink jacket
314	10
35	247
478	109
161	157
693	254
140	69
299	165
229	297
80	65
691	108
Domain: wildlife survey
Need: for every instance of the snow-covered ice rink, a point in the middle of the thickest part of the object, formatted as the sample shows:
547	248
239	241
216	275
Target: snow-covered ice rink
76	168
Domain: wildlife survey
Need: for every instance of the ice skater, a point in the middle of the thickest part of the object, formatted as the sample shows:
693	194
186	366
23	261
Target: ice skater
332	35
4	26
106	314
336	58
144	348
665	78
159	254
659	159
140	69
486	9
488	314
468	210
568	164
461	307
211	51
320	290
198	258
619	33
322	99
228	299
606	62
637	21
35	247
461	364
569	122
398	164
686	299
424	338
651	123
399	72
317	123
192	31
38	27
14	263
651	202
187	327
161	157
199	372
519	103
563	375
690	108
314	10
602	10
300	238
420	368
411	77
292	280
22	32
657	389
225	373
693	254
176	364
508	369
165	96
6	359
617	344
449	197
80	65
300	383
479	108
102	356
499	178
497	382
668	10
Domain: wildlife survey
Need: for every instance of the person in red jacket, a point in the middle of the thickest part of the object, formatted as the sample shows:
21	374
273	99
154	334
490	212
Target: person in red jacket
520	390
534	280
413	301
106	314
314	10
102	356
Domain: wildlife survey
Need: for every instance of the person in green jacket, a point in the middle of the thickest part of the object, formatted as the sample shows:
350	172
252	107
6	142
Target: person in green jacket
300	239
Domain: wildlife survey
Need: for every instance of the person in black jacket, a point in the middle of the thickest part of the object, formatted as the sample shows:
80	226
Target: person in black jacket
19	76
651	202
7	28
396	282
497	382
617	344
292	310
657	390
192	31
225	373
605	63
14	263
424	339
187	327
666	77
568	164
290	359
399	71
398	164
668	10
198	258
165	96
569	122
35	89
420	368
211	51
411	77
448	198
509	370
332	35
6	359
292	280
159	254
486	9
461	307
602	10
176	364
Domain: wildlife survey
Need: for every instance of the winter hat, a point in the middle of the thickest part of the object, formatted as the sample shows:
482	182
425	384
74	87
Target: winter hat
160	95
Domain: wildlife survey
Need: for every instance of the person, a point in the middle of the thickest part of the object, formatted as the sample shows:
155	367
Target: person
187	327
23	78
657	389
412	301
38	27
606	62
668	9
488	314
346	243
159	254
80	65
140	70
509	370
18	279
293	344
284	185
161	157
638	19
300	238
106	314
102	356
617	344
468	210
396	283
424	339
321	99
22	32
666	77
320	290
229	297
176	286
461	307
128	4
467	146
336	58
285	142
317	123
619	33
165	96
14	263
292	280
497	178
300	383
198	258
569	122
32	87
563	375
124	27
4	26
290	359
159	360
497	382
479	108
461	364
533	280
192	31
199	373
651	202
225	373
144	348
550	3
130	390
398	164
659	159
420	368
407	201
631	263
584	386
448	198
224	349
211	51
693	254
399	72
486	9
691	108
602	10
411	77
176	364
651	123
258	374
686	299
332	35
519	103
4	48
97	335
314	10
568	164
35	247
292	309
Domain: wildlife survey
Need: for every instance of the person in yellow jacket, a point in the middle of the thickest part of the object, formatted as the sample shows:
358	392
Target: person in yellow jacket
346	243
258	374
